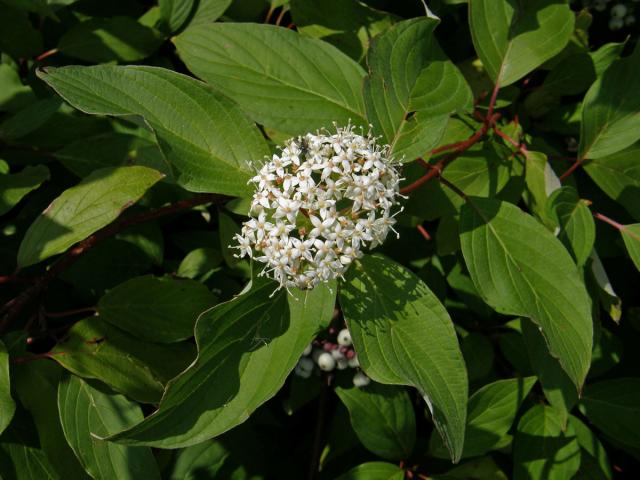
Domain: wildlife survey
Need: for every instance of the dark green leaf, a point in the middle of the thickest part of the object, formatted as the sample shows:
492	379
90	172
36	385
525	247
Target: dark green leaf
513	38
246	349
176	12
13	187
412	88
96	350
374	471
542	449
382	416
29	119
91	409
204	136
155	309
200	263
589	443
403	335
81	210
103	40
282	79
18	37
518	267
206	458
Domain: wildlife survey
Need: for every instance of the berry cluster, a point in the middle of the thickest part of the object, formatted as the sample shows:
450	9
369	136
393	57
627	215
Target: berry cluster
328	356
317	204
621	13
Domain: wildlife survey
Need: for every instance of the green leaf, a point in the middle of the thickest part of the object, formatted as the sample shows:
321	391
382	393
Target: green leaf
374	471
112	150
631	236
382	416
204	136
513	38
96	350
589	443
556	384
29	119
20	457
13	187
492	411
176	12
351	31
7	405
246	349
577	227
208	11
521	269
162	310
541	448
614	407
203	458
412	88
403	335
610	119
82	210
18	37
91	409
200	263
36	384
102	40
282	79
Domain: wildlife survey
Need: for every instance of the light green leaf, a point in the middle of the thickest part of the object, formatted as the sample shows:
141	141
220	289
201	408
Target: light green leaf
631	236
542	449
200	263
412	88
7	405
91	409
382	416
246	349
14	186
83	209
492	411
590	443
610	113
556	384
208	11
618	175
577	227
513	38
282	79
94	349
404	336
614	407
518	267
102	40
351	31
374	471
162	310
203	134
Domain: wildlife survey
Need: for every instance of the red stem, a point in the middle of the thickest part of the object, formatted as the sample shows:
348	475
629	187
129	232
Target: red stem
608	220
15	306
571	169
424	233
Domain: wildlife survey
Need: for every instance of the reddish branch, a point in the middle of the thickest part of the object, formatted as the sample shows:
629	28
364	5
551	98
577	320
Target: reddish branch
608	220
15	306
571	169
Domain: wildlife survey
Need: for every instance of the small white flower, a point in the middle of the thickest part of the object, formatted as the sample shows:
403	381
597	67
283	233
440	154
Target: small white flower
318	204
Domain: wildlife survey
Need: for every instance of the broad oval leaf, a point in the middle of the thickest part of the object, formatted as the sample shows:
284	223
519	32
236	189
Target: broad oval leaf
95	349
492	411
543	448
14	186
383	418
176	12
520	268
205	137
403	335
282	79
577	227
618	175
614	407
611	110
83	209
154	309
513	38
246	349
590	444
103	40
412	88
631	236
87	410
374	471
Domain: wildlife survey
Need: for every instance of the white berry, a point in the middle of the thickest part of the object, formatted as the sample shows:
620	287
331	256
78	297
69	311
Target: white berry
619	10
307	350
353	362
304	368
344	338
326	362
361	380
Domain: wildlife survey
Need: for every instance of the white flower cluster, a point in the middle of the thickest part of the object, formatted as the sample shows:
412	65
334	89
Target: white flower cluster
317	204
328	356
